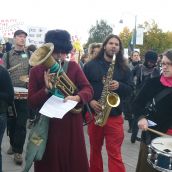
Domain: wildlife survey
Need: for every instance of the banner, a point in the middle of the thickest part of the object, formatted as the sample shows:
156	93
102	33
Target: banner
36	35
139	36
9	26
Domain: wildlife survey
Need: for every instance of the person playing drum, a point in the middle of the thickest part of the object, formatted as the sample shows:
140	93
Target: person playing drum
159	113
17	63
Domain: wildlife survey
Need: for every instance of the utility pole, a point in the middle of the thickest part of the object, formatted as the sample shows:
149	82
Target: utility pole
135	32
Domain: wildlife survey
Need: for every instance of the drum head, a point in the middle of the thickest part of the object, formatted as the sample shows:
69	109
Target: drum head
20	89
162	144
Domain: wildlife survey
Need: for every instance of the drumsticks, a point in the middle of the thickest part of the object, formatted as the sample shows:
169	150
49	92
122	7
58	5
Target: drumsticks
14	67
157	132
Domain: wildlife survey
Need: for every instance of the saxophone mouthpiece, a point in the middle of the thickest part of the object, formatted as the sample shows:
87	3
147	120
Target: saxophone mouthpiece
114	57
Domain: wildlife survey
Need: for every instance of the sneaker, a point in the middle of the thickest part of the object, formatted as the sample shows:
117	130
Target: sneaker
10	151
18	159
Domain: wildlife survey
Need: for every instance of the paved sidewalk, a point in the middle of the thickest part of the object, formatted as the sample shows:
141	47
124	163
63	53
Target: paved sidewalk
129	152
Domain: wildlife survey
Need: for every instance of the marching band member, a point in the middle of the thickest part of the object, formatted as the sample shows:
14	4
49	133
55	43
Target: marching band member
121	83
160	112
18	56
65	148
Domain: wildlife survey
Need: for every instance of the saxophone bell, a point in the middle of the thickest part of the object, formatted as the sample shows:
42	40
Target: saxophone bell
113	99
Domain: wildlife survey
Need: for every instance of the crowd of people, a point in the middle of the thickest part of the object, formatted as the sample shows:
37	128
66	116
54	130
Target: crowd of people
107	88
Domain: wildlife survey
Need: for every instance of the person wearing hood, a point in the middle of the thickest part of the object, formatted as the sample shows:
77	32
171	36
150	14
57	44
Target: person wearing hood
142	72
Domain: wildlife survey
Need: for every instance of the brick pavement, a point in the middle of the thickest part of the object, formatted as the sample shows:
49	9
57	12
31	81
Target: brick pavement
129	153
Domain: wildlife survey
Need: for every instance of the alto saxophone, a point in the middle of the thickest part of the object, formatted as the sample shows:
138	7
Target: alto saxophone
108	98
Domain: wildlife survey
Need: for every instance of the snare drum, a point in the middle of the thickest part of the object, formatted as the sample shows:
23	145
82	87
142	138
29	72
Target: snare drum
20	93
160	154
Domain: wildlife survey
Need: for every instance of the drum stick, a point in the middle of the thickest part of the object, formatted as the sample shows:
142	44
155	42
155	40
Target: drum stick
14	67
157	132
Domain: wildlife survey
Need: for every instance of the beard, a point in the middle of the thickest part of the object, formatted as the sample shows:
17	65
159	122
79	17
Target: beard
109	55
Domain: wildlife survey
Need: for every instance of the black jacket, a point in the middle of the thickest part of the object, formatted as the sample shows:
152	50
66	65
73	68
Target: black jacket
163	114
96	69
6	90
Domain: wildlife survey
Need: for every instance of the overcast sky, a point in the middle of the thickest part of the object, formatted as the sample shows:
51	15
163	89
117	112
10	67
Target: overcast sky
77	16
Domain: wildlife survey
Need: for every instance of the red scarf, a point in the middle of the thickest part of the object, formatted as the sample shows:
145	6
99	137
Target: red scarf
166	81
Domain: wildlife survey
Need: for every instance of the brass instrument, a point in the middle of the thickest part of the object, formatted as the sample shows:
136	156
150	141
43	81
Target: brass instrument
60	81
108	99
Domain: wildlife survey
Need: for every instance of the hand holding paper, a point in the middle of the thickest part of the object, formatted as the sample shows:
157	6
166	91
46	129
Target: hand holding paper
55	107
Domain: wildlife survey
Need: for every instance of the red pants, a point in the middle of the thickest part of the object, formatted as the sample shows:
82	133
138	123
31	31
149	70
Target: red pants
113	134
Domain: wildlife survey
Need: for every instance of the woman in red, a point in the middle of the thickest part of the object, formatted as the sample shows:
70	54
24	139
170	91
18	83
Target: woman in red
65	150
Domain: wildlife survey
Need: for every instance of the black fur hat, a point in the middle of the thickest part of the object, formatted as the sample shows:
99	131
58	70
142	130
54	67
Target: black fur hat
61	40
151	56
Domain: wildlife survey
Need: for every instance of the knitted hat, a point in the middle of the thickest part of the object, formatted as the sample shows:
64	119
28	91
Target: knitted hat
151	56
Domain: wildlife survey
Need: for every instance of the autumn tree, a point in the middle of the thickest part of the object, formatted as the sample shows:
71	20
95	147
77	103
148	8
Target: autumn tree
154	38
125	37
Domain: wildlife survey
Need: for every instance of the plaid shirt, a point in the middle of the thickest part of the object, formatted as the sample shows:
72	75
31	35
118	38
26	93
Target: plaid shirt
16	58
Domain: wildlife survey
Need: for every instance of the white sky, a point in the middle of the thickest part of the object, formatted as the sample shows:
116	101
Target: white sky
77	16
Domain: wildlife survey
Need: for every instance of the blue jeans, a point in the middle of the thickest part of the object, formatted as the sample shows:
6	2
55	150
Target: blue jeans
3	122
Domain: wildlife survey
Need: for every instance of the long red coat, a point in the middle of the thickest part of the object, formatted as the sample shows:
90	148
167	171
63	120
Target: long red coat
65	150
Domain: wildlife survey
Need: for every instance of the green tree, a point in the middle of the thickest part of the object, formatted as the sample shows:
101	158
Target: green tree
99	32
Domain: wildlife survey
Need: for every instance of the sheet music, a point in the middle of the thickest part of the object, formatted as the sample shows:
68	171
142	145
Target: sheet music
55	107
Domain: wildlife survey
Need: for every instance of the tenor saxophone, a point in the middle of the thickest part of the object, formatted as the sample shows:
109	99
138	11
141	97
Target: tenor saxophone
108	98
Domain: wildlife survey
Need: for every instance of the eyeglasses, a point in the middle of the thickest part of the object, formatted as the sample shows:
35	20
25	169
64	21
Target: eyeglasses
166	64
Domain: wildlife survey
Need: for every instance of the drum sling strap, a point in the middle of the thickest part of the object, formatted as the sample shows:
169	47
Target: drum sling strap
155	100
162	94
151	104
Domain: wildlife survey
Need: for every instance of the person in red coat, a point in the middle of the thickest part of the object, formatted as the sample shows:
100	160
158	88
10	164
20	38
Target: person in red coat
65	149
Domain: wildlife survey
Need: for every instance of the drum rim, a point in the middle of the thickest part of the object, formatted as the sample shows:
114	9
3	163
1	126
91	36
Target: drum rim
160	151
158	167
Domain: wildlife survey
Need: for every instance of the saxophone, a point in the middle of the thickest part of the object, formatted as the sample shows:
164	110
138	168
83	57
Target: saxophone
108	98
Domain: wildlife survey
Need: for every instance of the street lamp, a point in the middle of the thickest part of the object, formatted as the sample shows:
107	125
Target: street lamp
134	33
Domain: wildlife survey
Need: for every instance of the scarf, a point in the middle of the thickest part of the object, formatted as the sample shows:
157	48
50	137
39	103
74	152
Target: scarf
166	81
56	68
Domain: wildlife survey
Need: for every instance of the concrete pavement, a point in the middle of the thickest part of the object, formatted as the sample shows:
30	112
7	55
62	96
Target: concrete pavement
129	153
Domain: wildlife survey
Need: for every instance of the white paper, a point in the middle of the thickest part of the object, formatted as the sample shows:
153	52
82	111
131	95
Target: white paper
55	107
151	123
